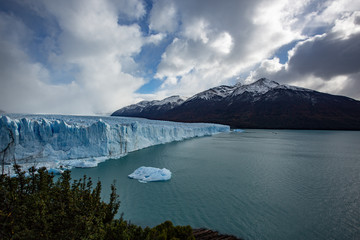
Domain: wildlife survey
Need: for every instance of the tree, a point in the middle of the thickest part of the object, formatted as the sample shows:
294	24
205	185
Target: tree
37	207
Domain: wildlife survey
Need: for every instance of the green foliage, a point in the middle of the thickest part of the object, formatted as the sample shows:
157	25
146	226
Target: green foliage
37	207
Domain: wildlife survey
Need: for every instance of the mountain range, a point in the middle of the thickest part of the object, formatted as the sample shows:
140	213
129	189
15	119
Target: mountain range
262	104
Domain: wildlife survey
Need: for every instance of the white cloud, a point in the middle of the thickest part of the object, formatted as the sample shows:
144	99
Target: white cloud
198	30
333	9
132	9
24	85
90	39
155	38
223	43
219	40
163	16
347	25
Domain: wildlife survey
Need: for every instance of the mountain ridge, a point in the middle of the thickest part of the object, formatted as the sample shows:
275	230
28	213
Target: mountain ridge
262	104
155	105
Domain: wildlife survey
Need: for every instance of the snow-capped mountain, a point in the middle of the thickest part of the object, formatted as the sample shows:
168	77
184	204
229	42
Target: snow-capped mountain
146	107
257	88
216	93
262	104
262	86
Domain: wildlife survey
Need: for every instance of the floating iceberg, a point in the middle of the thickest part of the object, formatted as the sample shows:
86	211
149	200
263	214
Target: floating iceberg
238	130
59	141
151	174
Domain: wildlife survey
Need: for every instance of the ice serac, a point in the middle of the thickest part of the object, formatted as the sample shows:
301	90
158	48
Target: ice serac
84	141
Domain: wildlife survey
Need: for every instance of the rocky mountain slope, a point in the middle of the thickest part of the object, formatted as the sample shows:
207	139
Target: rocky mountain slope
262	104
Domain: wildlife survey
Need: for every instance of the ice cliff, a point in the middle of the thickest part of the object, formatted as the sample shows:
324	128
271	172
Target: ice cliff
84	141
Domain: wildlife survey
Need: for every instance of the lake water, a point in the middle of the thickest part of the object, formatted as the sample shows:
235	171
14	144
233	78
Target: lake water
259	184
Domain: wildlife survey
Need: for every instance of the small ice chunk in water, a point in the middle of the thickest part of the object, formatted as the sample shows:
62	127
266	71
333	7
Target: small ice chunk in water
83	163
238	130
150	174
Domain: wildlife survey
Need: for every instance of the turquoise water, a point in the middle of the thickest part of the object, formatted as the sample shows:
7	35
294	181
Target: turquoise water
259	184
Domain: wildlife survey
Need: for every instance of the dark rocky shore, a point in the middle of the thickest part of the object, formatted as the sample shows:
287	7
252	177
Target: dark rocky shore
206	234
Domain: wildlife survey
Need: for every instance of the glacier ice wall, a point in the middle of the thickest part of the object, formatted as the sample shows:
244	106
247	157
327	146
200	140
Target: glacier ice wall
83	141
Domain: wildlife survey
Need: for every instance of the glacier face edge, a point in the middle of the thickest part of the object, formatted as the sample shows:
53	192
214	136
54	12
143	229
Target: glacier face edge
84	141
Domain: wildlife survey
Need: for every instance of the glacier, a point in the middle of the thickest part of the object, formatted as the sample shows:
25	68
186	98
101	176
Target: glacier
150	174
65	141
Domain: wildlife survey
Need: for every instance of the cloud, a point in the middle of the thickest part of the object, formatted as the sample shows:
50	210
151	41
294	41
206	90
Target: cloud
327	56
24	85
218	40
87	56
329	62
164	16
331	54
223	43
96	51
131	9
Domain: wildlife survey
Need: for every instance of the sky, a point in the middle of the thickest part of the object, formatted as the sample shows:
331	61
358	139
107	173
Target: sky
96	56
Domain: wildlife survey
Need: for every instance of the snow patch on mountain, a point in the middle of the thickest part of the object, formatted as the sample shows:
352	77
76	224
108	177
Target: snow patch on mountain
215	93
259	87
168	103
173	100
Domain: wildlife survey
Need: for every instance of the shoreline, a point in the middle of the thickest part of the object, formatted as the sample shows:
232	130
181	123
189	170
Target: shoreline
207	234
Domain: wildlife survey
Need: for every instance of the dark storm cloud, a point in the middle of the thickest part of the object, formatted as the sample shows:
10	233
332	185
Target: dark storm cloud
328	63
327	56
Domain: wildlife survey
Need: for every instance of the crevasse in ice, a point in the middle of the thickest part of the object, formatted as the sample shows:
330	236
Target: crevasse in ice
84	141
